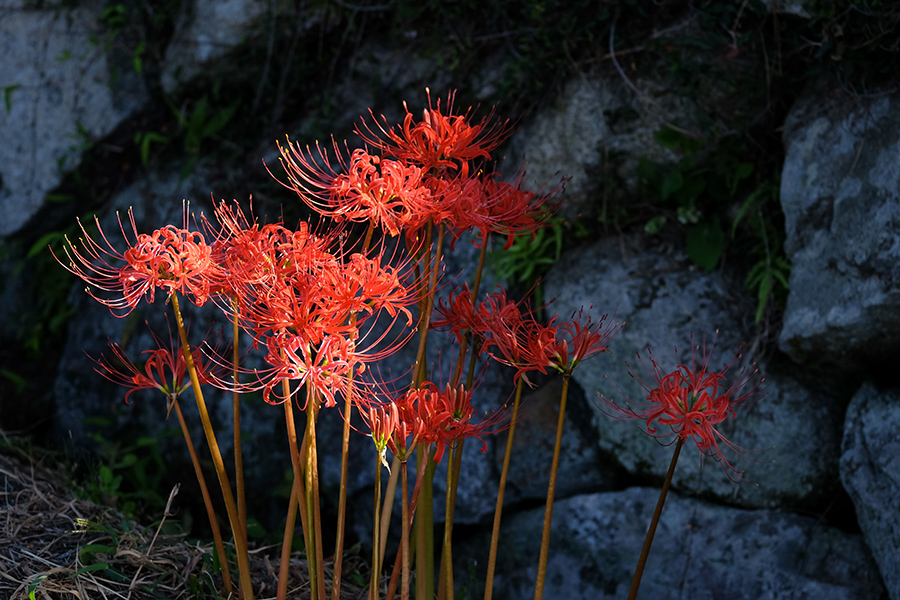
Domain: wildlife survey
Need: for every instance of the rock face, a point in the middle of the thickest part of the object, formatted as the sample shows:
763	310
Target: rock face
840	192
206	30
60	94
593	120
663	302
871	474
700	551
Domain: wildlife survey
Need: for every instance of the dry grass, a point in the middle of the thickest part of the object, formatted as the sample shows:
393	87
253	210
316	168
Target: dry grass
54	546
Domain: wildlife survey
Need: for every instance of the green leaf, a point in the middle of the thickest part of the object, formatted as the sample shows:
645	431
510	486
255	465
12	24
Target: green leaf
101	566
655	224
33	586
17	380
7	96
91	549
743	171
43	242
219	121
671	184
746	206
705	242
765	287
136	61
106	475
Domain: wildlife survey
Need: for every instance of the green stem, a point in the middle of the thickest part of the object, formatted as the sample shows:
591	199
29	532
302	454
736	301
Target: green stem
498	510
425	526
240	542
207	501
375	581
298	492
645	551
314	549
286	543
388	507
404	535
551	491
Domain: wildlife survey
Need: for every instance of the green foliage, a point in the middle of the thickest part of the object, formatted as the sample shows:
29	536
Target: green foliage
143	139
201	124
529	258
128	476
7	95
701	191
769	274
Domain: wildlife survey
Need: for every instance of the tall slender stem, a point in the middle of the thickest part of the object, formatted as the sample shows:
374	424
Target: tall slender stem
240	542
498	510
298	492
551	491
404	535
207	501
645	551
375	581
316	568
286	543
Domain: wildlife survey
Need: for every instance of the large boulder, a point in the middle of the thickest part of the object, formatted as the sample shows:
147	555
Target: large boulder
205	31
840	190
667	304
597	124
870	470
59	93
701	551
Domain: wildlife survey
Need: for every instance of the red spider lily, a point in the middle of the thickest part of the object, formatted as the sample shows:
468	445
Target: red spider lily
361	188
244	251
443	417
439	141
691	401
328	367
531	346
383	421
458	314
456	403
165	369
176	260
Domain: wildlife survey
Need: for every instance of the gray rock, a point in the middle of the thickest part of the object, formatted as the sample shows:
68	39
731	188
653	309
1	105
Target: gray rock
207	30
700	551
597	123
840	190
63	96
663	301
796	8
870	470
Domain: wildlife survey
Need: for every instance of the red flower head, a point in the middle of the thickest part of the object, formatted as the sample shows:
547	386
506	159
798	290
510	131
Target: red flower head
531	346
383	421
690	401
175	260
164	369
439	141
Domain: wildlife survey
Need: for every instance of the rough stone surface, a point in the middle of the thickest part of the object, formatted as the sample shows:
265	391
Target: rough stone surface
870	470
840	191
796	8
701	551
63	96
663	300
594	119
206	30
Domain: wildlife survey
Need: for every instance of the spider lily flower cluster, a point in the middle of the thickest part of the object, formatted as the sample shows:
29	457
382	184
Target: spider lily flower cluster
321	309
